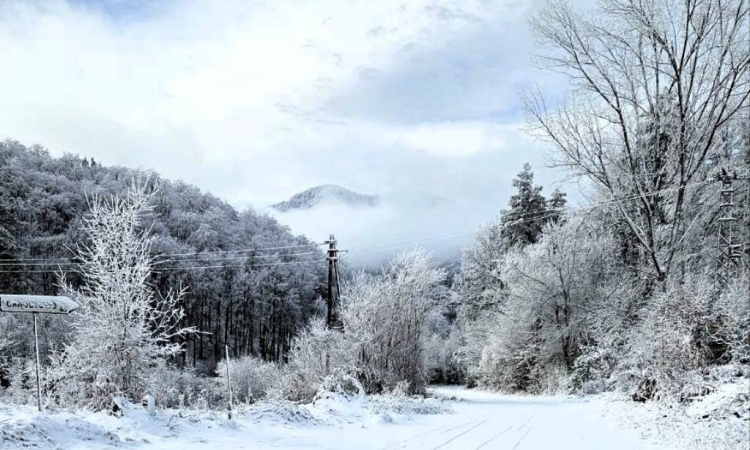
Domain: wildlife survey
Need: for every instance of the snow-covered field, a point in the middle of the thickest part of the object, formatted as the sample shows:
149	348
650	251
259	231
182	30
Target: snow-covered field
463	419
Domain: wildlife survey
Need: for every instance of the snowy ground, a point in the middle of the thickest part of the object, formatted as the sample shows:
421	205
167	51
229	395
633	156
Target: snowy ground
475	420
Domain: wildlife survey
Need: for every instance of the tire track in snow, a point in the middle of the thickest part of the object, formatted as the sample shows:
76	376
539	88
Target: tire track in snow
399	445
520	427
459	435
528	430
493	437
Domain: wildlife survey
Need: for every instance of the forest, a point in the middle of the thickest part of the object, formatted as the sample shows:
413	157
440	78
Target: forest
268	283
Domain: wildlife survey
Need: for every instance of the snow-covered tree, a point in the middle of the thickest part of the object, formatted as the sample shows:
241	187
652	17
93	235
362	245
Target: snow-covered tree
123	326
654	83
523	222
554	290
317	352
386	314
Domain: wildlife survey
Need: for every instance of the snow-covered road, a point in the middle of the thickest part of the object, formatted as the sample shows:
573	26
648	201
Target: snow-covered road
480	421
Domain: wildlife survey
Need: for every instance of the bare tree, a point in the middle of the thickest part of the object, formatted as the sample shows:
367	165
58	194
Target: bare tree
386	315
123	326
655	83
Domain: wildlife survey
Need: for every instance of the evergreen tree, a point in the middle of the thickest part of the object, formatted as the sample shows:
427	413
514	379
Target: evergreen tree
557	202
522	224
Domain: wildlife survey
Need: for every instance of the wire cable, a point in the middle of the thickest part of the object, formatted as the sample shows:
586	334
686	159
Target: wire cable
523	218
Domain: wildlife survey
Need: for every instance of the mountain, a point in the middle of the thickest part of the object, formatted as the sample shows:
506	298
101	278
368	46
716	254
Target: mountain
376	228
327	194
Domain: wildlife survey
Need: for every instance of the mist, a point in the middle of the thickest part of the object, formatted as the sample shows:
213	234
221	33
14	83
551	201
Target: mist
400	223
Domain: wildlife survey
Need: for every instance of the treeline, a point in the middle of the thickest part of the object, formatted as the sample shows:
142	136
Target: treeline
644	286
254	301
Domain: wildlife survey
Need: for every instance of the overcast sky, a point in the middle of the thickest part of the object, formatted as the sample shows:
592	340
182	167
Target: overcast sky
257	100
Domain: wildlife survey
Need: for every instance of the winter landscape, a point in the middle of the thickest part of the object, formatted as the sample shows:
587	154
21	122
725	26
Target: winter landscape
387	225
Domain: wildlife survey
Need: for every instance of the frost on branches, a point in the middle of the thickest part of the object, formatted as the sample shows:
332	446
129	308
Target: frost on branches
386	316
123	328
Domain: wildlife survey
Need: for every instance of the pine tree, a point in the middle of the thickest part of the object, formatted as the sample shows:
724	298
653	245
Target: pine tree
522	224
557	202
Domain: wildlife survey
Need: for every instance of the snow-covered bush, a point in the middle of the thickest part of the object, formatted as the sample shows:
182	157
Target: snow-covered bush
184	388
21	379
398	401
592	369
340	383
315	354
441	348
685	330
511	359
252	378
122	327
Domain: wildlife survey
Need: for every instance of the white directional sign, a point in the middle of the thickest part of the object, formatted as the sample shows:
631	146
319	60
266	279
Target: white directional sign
36	304
45	304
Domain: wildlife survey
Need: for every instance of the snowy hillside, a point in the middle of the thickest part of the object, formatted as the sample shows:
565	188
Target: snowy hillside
325	195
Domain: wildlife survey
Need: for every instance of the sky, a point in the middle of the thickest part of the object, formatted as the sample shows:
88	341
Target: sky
254	101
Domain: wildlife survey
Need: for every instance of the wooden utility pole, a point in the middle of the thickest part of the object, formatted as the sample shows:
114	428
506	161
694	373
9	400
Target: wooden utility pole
332	318
38	384
229	382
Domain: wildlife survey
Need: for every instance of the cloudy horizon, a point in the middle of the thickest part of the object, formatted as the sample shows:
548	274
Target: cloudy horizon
255	102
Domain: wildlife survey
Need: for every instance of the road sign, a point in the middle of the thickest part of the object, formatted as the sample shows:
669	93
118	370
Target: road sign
36	304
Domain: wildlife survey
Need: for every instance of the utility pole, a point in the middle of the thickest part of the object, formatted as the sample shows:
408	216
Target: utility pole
730	252
229	382
332	319
38	388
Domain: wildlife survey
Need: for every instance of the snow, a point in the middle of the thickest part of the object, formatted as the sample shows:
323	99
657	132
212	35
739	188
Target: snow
467	419
721	401
709	423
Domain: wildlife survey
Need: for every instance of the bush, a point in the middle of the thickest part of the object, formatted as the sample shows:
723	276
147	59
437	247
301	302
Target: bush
175	388
593	369
400	402
22	381
685	330
316	353
252	378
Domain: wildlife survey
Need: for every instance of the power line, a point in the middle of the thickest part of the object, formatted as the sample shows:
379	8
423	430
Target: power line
523	218
274	255
162	269
47	262
539	215
312	244
169	259
239	265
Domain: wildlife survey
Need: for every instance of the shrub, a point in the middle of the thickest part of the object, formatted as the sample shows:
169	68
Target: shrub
252	378
316	353
184	388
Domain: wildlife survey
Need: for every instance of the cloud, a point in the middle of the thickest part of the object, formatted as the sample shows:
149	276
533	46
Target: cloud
450	139
255	101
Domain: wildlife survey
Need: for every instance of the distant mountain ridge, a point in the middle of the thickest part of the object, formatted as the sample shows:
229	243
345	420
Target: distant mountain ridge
327	194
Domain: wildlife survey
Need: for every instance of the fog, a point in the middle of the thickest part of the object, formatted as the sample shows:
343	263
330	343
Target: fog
372	235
